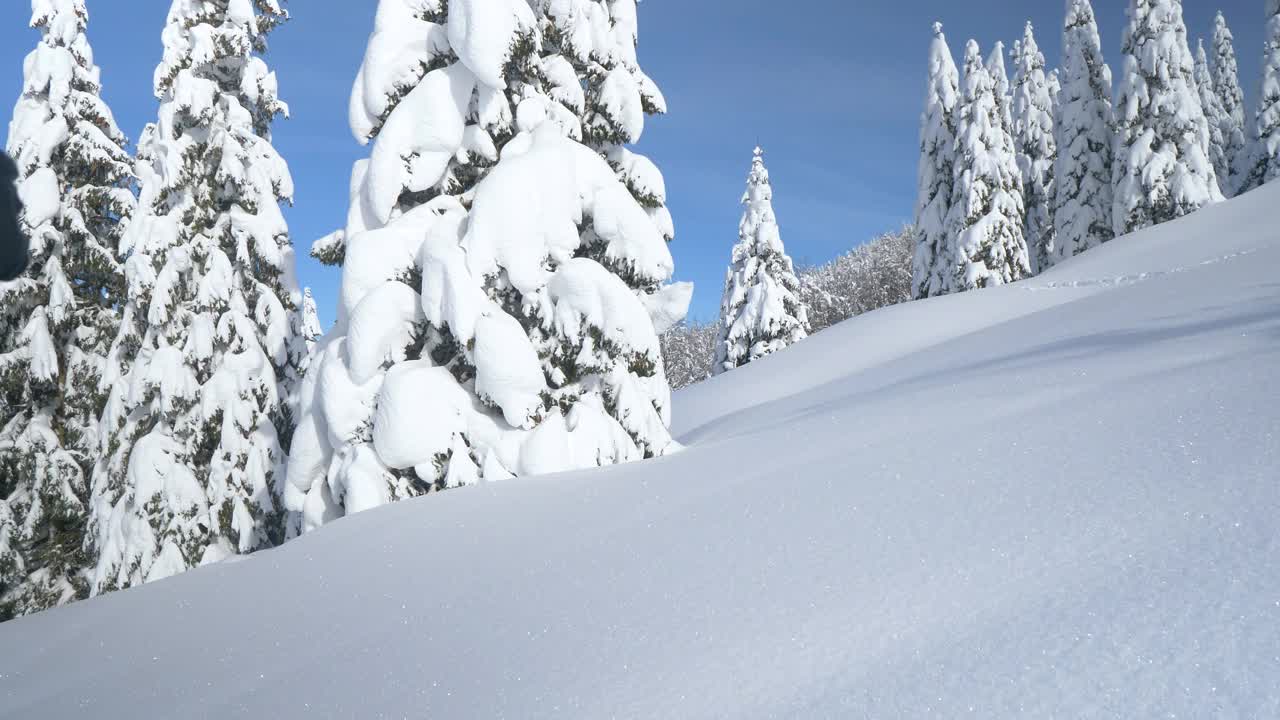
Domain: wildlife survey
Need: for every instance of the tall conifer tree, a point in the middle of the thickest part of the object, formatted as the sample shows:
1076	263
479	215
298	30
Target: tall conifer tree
1226	80
761	311
197	425
1219	154
936	168
985	224
58	321
1162	169
1083	130
1263	164
1037	150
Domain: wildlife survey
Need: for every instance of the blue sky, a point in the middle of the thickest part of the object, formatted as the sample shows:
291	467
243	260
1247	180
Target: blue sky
830	88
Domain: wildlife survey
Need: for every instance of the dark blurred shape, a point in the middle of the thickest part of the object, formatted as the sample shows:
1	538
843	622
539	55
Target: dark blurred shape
14	244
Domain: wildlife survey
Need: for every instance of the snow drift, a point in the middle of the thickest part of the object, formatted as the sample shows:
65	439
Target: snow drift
1057	498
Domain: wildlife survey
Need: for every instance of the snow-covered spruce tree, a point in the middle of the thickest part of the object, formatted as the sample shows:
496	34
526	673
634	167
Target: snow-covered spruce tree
1263	164
1216	116
197	422
986	219
1003	90
761	311
1037	150
1226	80
58	321
1162	169
503	283
1083	130
936	169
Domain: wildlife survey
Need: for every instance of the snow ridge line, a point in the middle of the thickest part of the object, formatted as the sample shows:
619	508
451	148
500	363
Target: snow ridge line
1125	280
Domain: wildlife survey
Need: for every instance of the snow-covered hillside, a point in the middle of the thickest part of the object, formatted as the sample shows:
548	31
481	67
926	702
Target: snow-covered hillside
1058	498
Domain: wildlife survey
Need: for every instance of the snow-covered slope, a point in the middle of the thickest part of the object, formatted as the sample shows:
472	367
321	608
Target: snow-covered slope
1058	498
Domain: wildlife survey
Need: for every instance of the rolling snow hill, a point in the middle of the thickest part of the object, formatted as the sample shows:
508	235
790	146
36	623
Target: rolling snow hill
1054	499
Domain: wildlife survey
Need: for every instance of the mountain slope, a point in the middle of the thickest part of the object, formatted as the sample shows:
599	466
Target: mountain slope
1056	498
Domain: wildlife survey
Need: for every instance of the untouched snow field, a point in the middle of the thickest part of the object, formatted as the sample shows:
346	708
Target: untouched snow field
1059	498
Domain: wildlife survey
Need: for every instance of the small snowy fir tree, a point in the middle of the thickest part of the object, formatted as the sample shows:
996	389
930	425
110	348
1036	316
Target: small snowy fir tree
1037	150
505	260
197	422
309	327
761	311
1083	130
937	166
1162	169
1226	80
986	220
58	321
302	348
1214	113
1263	164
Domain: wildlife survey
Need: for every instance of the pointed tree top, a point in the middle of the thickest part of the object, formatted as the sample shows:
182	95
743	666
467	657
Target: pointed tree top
972	50
1078	13
759	152
1028	42
996	64
937	29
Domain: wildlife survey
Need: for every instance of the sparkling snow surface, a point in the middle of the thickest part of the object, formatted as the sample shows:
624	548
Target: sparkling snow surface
1057	498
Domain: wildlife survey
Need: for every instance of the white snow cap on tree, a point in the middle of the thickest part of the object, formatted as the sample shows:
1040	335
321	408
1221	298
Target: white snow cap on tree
1037	150
1216	116
1226	80
505	261
1162	169
1263	164
1083	196
986	220
761	312
937	166
197	419
57	321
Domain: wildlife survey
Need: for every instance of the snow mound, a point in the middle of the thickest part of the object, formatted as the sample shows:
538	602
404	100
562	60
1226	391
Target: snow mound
1056	497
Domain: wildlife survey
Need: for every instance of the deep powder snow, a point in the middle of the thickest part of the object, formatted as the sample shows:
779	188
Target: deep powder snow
1055	498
